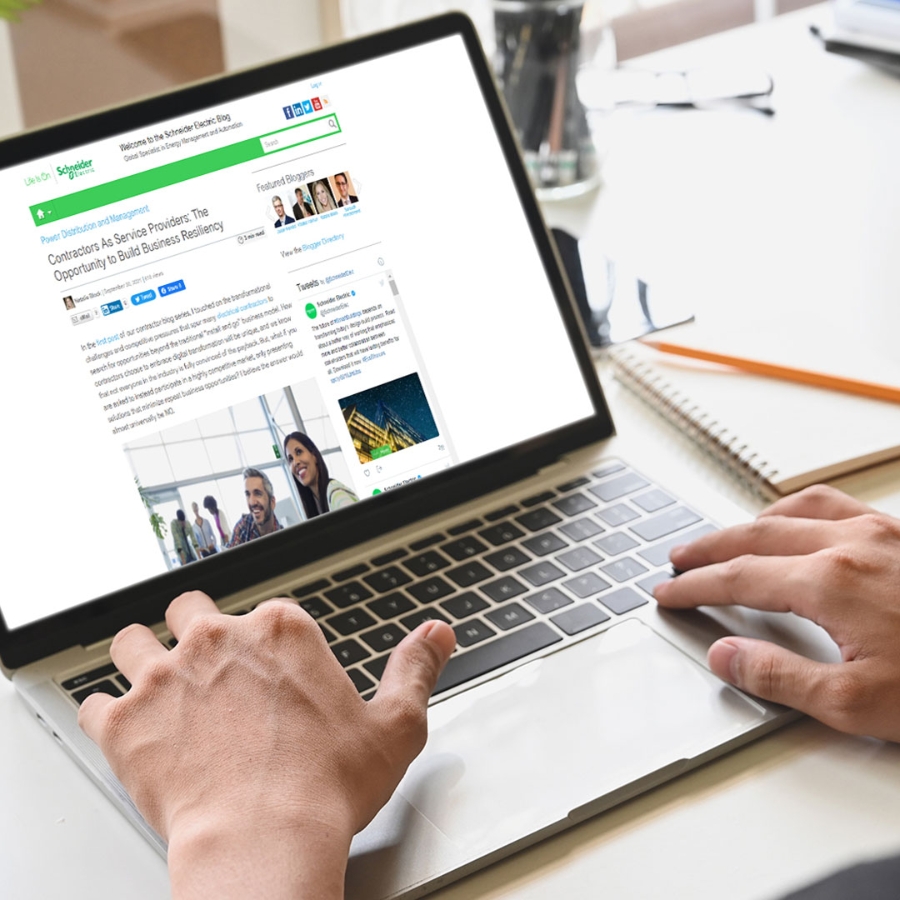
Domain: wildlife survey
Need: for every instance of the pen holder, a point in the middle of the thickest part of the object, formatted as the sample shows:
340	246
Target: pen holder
538	49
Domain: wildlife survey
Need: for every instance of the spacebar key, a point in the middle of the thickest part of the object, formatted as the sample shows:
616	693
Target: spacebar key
498	653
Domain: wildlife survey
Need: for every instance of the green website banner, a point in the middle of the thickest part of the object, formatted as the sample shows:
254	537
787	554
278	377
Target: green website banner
52	211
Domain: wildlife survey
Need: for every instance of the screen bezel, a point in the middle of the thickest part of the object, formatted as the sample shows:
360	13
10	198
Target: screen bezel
225	574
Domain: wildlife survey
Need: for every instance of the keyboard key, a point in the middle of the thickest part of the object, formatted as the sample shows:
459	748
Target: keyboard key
608	469
487	657
498	514
351	621
348	594
653	500
509	616
579	558
126	684
330	636
571	485
311	588
352	572
387	579
651	581
101	687
464	548
385	637
377	666
623	600
549	600
316	607
389	557
429	541
510	558
431	589
581	529
360	681
542	544
425	563
423	615
541	574
618	514
574	504
501	534
616	543
391	605
349	652
665	523
464	605
579	618
463	527
618	487
469	574
473	632
87	677
658	554
503	588
543	497
538	519
623	569
586	585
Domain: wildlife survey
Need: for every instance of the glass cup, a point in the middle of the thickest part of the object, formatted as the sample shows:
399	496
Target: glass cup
539	47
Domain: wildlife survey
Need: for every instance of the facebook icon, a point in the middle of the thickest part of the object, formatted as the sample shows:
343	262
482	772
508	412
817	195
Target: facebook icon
288	112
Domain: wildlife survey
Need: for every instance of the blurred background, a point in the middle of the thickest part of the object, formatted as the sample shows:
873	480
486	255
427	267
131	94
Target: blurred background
59	58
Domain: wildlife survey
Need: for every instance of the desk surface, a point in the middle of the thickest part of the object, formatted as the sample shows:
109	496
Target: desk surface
741	212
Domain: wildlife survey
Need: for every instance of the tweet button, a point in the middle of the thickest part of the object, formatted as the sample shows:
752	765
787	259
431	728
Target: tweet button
143	297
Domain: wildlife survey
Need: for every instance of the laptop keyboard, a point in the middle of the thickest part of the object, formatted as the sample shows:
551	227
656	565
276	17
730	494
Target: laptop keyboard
511	583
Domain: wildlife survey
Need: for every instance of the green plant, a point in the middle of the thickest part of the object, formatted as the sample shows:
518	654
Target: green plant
10	9
157	522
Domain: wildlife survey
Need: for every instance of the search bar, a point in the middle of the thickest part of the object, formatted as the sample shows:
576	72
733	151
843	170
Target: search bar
301	134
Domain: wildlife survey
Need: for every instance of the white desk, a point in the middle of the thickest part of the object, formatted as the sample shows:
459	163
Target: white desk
794	212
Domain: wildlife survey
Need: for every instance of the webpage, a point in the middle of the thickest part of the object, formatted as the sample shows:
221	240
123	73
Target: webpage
239	320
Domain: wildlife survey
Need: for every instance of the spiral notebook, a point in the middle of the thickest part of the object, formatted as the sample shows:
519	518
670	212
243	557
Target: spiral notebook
775	436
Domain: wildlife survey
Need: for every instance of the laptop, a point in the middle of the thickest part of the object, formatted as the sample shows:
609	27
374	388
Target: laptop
338	257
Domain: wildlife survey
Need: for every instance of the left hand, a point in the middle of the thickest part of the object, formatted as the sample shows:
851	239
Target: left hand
249	749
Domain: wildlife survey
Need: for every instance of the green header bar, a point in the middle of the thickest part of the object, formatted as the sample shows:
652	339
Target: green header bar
51	211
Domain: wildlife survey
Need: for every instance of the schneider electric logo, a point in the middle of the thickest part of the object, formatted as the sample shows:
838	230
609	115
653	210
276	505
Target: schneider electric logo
76	170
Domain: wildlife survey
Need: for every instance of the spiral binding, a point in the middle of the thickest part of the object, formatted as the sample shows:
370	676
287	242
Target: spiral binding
715	439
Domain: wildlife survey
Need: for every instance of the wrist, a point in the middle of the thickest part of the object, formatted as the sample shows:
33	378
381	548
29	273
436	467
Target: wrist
241	856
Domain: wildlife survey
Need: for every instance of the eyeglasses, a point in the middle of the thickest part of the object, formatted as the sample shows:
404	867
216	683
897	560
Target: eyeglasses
604	90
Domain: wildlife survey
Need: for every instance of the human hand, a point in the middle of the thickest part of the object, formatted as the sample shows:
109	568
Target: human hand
825	556
249	749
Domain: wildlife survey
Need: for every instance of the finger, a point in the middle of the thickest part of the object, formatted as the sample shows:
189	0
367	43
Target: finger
415	665
187	607
135	648
769	536
773	583
92	715
818	502
782	676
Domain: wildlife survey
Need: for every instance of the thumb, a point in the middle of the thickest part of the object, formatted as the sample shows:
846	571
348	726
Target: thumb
414	666
773	673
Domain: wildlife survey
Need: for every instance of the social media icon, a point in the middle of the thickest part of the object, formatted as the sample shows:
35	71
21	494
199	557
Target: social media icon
307	106
288	112
317	103
298	109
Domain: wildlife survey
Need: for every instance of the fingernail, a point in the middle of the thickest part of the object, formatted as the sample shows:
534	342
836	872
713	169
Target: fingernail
445	639
725	659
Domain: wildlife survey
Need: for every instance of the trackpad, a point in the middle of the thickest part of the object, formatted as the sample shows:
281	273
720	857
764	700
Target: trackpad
517	754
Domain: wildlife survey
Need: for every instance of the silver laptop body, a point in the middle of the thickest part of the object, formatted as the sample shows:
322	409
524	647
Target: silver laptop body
418	325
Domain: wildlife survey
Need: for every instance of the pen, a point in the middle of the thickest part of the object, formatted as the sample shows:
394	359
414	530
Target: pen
787	373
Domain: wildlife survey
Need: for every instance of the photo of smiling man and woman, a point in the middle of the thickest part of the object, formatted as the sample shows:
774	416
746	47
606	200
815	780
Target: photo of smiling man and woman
240	473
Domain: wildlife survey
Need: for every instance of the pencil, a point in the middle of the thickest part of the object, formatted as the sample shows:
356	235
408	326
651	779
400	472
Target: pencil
787	373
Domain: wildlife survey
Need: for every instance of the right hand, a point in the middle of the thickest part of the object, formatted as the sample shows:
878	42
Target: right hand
824	556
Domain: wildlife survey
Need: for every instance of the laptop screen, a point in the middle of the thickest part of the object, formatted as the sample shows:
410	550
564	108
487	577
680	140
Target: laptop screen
253	313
